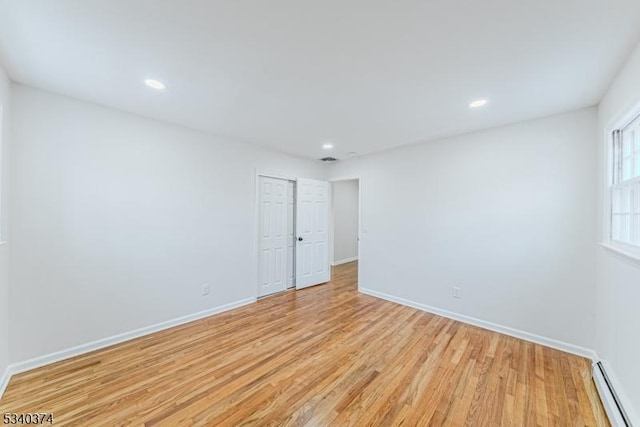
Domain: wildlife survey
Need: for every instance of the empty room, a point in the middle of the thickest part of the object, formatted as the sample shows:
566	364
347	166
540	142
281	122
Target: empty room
320	213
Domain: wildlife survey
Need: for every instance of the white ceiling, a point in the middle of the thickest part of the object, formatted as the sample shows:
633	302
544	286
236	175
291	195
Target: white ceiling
367	75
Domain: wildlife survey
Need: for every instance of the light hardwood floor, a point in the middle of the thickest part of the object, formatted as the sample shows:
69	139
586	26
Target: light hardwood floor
322	356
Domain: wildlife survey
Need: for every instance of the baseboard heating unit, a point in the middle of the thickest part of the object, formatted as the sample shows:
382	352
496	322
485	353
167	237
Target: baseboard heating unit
610	400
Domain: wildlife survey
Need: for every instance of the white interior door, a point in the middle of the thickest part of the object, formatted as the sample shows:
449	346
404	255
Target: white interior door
312	229
272	263
291	236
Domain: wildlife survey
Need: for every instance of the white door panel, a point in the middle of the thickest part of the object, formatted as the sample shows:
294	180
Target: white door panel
312	220
273	235
291	238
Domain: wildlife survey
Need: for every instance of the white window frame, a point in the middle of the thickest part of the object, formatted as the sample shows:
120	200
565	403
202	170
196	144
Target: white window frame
2	172
611	181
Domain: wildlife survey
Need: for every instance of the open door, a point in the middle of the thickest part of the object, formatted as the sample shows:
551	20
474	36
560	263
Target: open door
312	226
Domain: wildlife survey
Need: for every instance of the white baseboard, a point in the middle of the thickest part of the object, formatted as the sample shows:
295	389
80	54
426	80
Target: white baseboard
548	342
344	261
4	381
615	418
57	356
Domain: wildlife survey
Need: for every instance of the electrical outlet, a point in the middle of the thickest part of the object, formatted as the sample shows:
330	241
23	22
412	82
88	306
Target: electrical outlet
205	290
455	292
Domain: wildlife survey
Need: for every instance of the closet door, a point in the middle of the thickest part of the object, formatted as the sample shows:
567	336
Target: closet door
272	256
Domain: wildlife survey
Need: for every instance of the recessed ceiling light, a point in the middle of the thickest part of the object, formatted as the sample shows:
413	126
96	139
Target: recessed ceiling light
155	84
478	103
327	146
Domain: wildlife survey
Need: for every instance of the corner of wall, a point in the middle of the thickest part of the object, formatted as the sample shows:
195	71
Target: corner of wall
5	100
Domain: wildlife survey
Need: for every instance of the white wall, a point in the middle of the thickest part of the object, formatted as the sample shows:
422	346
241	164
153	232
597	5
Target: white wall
505	214
119	220
4	225
618	316
344	198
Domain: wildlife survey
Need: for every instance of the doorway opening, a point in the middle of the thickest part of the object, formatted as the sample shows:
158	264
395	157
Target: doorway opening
345	221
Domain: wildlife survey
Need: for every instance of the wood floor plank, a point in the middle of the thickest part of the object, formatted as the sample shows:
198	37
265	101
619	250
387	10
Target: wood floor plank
325	355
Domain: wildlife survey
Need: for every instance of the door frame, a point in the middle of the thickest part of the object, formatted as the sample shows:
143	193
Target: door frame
256	216
256	223
360	227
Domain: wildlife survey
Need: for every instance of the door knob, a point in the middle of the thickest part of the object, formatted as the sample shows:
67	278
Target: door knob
299	239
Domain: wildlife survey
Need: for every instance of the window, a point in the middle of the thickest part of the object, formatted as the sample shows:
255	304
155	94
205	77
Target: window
625	188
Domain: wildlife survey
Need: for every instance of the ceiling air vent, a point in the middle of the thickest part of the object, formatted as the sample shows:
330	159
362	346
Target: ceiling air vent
328	159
